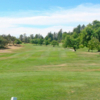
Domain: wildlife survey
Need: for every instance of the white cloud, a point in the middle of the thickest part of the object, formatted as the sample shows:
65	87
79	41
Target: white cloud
57	19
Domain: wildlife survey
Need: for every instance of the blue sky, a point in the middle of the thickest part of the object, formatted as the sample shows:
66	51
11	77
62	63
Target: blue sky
42	16
17	5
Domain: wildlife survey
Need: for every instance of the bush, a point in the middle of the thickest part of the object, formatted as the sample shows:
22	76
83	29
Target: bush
17	41
3	42
54	42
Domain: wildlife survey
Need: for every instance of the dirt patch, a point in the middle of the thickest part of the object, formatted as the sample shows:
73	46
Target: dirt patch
51	66
5	51
93	64
71	49
90	53
61	65
93	70
14	47
68	67
83	64
9	48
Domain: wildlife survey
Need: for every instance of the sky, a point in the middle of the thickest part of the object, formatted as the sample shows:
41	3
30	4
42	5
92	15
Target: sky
43	16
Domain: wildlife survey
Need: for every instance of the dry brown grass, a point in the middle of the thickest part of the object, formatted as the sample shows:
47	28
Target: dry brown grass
78	67
5	51
90	53
9	49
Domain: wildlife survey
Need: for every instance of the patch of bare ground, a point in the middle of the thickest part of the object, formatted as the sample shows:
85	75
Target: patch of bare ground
14	47
83	70
48	67
5	51
90	53
71	49
63	67
93	70
9	48
73	64
93	64
60	65
83	64
67	67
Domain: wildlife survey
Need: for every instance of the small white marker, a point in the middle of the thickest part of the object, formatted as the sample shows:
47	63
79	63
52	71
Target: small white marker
13	98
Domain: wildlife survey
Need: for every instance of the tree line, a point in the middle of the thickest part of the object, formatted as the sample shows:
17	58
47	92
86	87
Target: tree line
51	38
6	40
81	36
88	36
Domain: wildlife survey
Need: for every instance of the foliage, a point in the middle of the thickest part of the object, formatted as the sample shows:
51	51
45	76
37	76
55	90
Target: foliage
34	41
49	36
81	46
98	47
38	36
97	31
90	36
40	41
54	43
31	36
70	41
60	35
55	36
10	39
3	42
93	43
17	41
64	35
81	36
46	42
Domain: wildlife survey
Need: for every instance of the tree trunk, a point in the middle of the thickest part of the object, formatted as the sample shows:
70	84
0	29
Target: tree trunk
74	49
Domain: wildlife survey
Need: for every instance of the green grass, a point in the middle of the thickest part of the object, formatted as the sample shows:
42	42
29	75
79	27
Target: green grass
49	73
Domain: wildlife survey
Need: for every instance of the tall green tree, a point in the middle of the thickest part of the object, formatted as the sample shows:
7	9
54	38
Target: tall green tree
70	41
82	27
46	42
21	37
86	35
54	43
97	32
96	24
77	29
38	36
40	41
31	36
13	39
34	41
64	35
17	41
3	42
93	44
60	35
49	37
55	36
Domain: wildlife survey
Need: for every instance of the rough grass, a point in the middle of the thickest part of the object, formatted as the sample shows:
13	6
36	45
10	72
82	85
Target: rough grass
49	73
